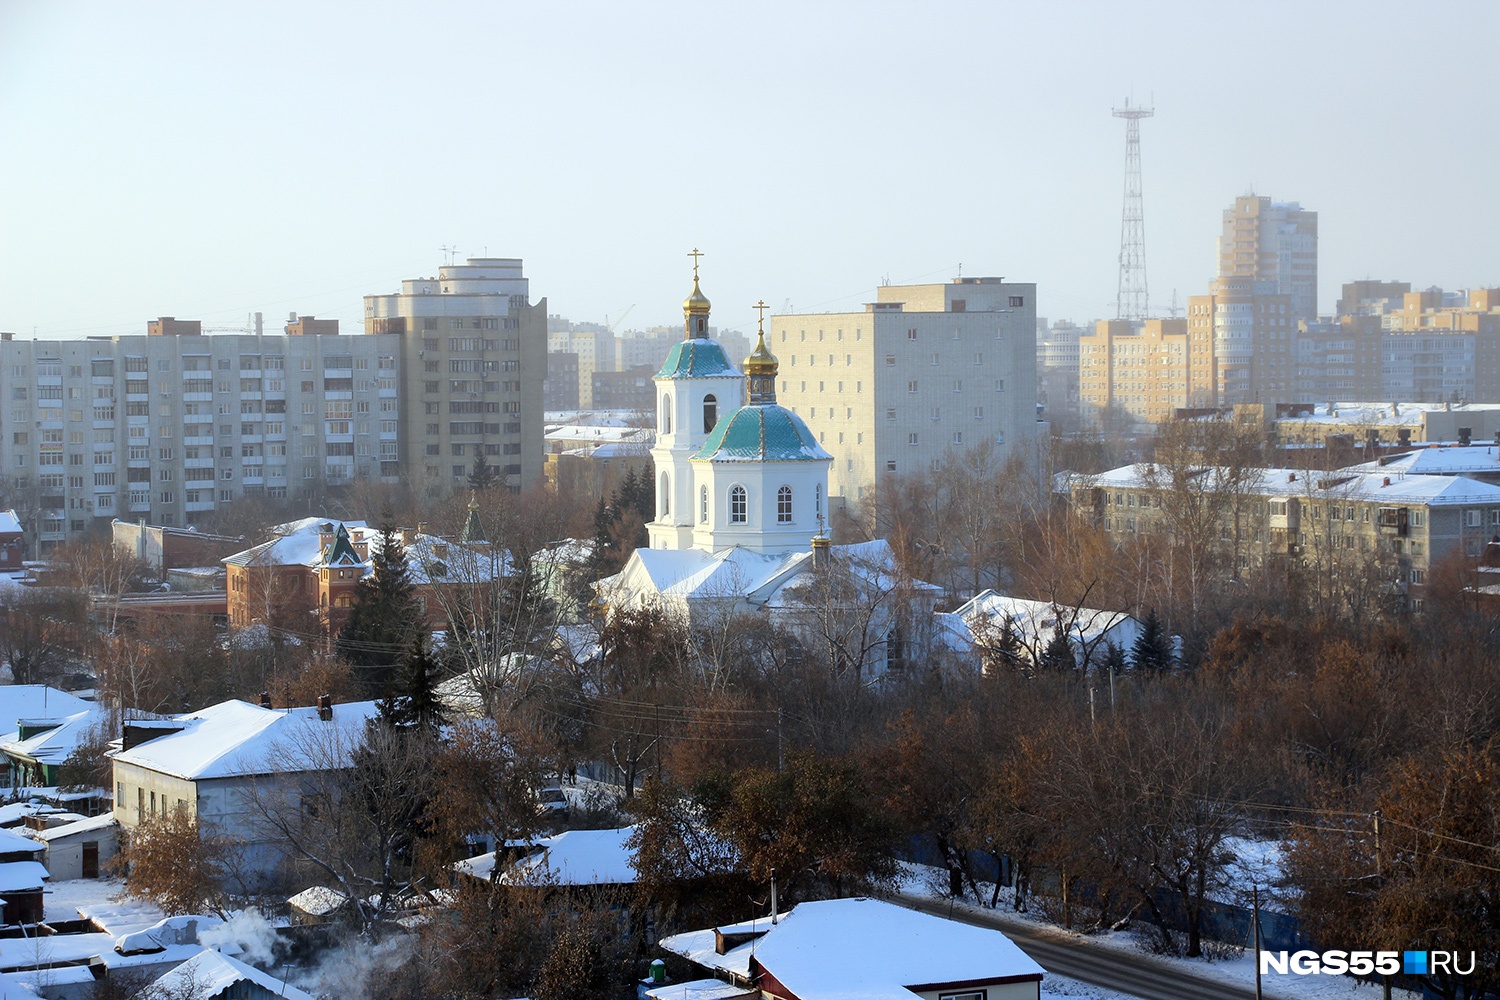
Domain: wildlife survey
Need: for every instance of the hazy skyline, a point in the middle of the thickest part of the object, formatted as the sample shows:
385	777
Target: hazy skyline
207	161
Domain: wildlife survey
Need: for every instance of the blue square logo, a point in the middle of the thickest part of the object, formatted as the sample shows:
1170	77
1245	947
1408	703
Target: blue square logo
1414	963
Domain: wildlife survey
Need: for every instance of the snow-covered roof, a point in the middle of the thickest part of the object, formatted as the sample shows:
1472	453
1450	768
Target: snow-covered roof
698	989
89	825
640	437
59	741
431	559
1448	460
1033	619
12	842
35	701
296	543
762	432
22	876
238	738
697	358
841	949
211	973
1382	414
9	523
318	900
701	947
1383	487
579	857
166	932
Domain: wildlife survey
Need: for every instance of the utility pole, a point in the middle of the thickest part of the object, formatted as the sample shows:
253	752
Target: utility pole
1132	299
1255	902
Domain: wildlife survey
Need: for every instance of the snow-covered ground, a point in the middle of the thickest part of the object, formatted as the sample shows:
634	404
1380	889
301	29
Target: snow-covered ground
928	882
1056	988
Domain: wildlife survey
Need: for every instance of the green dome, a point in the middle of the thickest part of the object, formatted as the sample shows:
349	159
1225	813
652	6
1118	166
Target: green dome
764	433
697	359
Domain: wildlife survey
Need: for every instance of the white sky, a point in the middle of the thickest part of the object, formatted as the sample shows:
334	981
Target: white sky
206	160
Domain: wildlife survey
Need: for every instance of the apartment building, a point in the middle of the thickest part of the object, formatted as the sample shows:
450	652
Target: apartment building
922	371
172	425
473	352
1143	373
1243	342
1349	524
1273	242
1057	372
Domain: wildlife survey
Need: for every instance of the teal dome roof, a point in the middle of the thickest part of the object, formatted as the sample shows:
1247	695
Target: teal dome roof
762	433
697	359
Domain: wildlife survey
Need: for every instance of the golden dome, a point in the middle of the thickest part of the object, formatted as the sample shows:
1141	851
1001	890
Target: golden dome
761	361
696	304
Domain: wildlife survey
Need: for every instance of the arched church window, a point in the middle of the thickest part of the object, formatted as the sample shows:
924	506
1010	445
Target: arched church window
666	413
710	412
666	495
784	505
818	499
738	505
703	504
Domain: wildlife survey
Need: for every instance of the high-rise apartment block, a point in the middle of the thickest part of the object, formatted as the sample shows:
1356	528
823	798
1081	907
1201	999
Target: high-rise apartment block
172	425
473	353
1275	242
923	371
1142	372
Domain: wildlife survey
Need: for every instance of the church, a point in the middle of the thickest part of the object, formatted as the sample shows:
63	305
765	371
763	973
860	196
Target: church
741	524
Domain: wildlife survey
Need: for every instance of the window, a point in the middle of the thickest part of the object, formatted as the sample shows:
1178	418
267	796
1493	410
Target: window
703	500
666	495
784	505
911	438
666	413
738	505
890	413
710	412
890	360
911	385
1017	301
911	333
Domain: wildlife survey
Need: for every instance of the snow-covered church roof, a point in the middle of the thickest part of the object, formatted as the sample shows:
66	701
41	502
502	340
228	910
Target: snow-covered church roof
697	358
762	433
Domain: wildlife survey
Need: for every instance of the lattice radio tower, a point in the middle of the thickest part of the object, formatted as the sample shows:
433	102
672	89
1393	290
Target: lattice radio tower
1132	300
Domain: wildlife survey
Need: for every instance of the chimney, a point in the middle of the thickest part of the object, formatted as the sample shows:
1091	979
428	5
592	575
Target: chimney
1386	481
265	699
325	707
821	551
1291	477
1465	435
775	902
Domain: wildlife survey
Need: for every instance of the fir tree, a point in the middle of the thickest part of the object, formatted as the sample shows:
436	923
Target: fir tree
482	475
628	495
1114	659
1058	655
384	615
413	701
1153	647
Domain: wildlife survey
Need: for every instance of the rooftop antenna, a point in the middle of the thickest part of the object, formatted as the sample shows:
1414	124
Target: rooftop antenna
1174	310
1132	301
960	269
448	252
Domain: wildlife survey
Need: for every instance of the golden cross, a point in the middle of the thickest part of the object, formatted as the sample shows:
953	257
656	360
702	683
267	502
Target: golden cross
695	255
761	307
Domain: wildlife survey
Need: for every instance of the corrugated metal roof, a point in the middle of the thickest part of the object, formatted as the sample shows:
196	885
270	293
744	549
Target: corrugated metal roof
765	432
697	359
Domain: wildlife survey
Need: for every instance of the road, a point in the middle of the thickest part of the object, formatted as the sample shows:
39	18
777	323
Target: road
1110	968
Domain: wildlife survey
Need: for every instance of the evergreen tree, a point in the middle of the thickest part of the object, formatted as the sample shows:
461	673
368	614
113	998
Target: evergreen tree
413	701
628	495
482	475
1114	659
1153	647
1059	652
384	615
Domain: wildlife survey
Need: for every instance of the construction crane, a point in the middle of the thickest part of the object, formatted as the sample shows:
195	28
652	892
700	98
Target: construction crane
609	327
